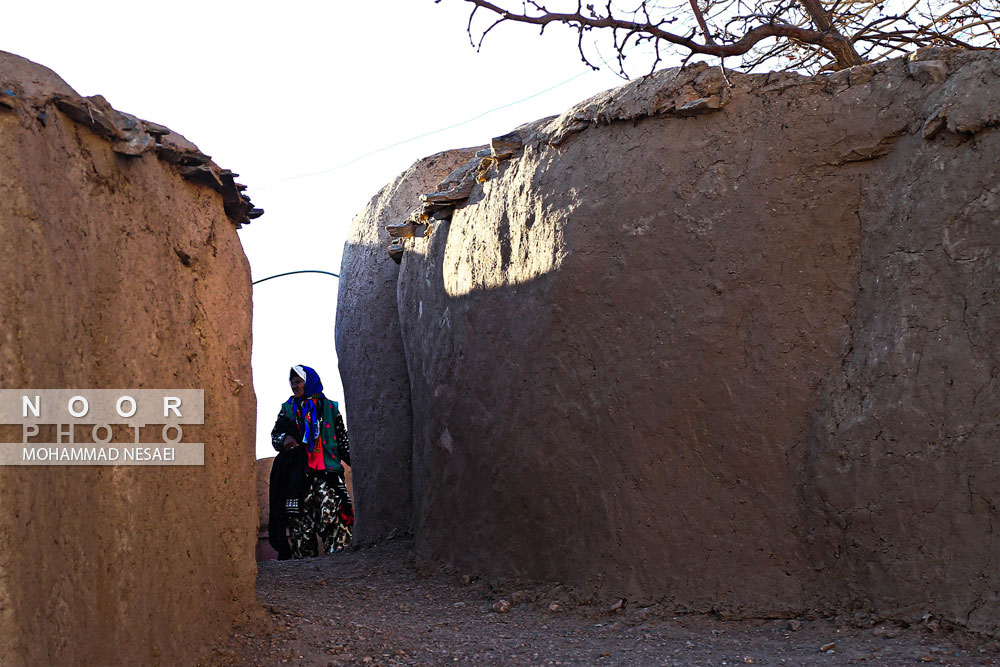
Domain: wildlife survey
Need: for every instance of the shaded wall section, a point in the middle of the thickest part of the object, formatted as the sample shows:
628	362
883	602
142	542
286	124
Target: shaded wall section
120	273
723	346
903	465
613	378
370	355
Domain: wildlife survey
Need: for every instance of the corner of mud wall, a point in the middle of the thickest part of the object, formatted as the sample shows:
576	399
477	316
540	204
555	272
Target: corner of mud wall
372	362
122	565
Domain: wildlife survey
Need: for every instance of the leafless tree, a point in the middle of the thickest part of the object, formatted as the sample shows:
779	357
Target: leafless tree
804	35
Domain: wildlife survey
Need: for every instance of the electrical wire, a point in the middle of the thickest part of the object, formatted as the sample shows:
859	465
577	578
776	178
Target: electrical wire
421	136
400	143
290	273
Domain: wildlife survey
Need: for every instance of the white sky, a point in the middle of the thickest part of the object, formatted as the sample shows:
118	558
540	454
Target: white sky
275	90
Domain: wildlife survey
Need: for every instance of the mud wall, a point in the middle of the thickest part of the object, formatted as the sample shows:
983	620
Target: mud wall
722	345
121	272
371	361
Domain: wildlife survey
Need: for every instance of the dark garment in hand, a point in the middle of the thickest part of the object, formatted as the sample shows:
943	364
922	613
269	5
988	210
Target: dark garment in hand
288	481
288	485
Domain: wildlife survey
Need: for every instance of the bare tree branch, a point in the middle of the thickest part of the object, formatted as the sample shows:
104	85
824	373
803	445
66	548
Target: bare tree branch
701	21
810	35
739	47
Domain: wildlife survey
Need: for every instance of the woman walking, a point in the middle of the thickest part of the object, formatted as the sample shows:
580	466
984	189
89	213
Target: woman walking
326	510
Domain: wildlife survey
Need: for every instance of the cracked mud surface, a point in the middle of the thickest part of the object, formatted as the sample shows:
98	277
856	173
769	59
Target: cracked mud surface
765	333
119	272
381	606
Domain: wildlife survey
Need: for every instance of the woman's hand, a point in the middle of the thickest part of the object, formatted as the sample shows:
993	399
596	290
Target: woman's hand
290	443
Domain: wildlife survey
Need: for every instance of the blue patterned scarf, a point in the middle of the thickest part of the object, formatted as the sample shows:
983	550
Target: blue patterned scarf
306	410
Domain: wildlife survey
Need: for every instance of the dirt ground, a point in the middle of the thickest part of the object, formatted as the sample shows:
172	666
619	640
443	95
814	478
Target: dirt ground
380	606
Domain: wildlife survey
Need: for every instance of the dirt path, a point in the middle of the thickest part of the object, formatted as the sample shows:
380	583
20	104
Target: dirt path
378	607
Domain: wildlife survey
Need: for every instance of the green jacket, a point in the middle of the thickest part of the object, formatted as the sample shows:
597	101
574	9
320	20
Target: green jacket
325	441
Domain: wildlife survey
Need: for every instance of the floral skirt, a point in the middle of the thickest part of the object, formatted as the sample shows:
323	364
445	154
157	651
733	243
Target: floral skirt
328	514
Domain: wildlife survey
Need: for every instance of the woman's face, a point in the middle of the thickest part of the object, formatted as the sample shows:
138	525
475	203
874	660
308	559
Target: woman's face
298	386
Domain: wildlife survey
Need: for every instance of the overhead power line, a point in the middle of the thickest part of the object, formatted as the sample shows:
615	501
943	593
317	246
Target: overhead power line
421	136
290	273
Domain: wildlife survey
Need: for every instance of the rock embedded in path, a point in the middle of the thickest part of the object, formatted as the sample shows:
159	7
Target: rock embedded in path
520	597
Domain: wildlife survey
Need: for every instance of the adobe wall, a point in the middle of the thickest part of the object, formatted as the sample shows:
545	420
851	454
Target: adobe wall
720	344
122	269
371	361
